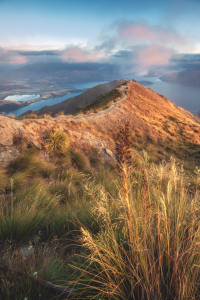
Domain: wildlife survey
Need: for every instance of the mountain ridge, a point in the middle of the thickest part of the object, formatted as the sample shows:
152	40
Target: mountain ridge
67	106
62	73
153	119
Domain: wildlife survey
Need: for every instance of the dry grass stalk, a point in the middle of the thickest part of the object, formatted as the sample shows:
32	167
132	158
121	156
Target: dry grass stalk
123	157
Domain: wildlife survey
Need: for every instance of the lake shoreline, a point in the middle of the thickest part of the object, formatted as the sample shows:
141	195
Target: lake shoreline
7	106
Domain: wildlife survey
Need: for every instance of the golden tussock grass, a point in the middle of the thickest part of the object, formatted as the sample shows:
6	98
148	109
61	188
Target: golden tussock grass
149	242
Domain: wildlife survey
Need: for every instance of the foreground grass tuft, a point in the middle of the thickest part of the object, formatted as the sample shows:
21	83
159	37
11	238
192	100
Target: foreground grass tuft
151	251
26	213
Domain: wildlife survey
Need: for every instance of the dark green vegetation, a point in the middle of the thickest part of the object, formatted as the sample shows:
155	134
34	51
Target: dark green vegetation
101	103
128	230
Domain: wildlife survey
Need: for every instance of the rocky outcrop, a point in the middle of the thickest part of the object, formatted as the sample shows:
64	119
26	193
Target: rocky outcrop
16	136
7	156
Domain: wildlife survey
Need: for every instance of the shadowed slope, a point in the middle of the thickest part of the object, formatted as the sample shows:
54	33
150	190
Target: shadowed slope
81	100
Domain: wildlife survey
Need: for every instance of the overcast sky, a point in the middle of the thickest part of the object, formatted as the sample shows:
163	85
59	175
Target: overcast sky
141	36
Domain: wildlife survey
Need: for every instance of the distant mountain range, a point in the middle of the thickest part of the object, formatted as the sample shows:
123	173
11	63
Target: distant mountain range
83	99
7	85
186	77
62	73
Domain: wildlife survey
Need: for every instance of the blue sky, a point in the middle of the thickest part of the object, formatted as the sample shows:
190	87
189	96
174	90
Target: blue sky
146	34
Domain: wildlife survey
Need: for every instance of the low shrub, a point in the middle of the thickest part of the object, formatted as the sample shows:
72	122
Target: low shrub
45	116
57	143
103	102
61	113
33	166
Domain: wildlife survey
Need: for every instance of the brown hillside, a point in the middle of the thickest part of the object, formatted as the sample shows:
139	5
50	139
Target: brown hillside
154	120
83	99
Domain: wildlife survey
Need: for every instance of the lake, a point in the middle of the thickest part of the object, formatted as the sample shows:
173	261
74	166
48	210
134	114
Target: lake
37	105
51	101
184	96
21	97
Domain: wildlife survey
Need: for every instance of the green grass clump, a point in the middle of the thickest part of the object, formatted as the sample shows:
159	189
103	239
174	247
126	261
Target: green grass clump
72	176
49	171
18	181
57	143
64	161
67	221
80	160
30	164
19	287
27	213
21	163
68	190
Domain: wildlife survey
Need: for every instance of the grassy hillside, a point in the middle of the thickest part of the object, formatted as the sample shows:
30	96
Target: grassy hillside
92	226
101	103
75	223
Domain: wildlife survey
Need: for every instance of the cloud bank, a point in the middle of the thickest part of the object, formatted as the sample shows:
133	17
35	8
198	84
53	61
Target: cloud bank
136	47
12	58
